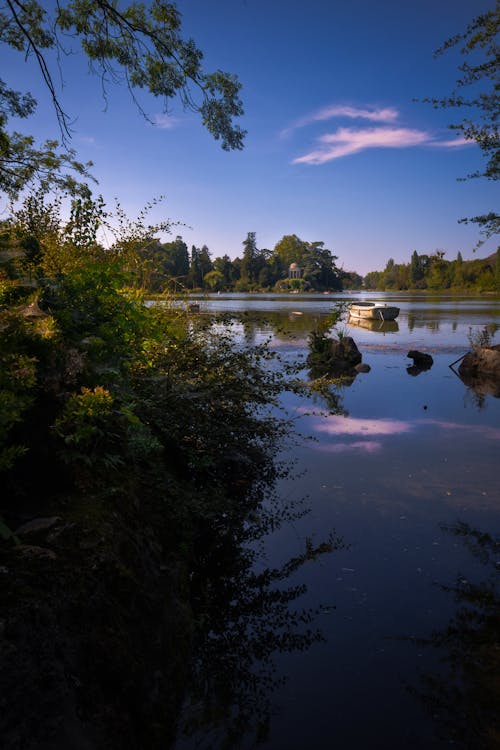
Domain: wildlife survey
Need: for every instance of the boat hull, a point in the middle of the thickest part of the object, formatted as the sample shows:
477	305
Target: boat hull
371	311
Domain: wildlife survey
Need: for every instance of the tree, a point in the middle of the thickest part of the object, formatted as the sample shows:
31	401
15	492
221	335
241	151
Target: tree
416	270
21	162
290	249
176	262
480	75
224	266
214	280
204	261
249	270
351	280
496	270
319	267
139	45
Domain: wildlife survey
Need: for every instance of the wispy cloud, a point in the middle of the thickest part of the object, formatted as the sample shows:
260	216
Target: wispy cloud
456	143
165	122
373	114
87	140
347	141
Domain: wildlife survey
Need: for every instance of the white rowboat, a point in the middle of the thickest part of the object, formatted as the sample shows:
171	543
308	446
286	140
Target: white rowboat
373	311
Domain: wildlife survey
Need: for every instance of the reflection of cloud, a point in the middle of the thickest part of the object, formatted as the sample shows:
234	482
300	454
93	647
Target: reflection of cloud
336	425
365	446
346	141
493	433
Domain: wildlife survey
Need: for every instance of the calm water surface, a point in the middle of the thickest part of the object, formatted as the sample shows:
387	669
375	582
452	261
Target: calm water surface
405	469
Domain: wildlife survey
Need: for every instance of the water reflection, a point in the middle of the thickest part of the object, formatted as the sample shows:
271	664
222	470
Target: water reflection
379	326
246	614
392	457
481	385
464	701
329	425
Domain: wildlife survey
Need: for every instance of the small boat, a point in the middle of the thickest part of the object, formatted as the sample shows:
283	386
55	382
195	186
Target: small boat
373	311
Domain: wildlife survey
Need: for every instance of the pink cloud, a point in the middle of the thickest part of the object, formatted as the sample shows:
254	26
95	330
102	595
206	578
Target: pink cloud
456	143
381	114
346	141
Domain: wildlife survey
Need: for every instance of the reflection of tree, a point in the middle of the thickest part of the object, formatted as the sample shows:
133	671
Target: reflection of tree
328	391
466	701
320	387
244	615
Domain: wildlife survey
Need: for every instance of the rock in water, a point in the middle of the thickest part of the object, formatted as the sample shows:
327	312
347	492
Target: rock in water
421	361
482	360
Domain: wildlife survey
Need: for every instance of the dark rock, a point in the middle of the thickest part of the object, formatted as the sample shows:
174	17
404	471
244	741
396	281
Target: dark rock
344	354
335	358
421	361
480	370
362	367
482	361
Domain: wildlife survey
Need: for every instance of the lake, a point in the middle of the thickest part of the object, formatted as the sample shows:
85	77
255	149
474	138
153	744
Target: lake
403	470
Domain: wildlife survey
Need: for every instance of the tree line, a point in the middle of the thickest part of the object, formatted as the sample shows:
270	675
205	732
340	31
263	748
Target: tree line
433	272
170	265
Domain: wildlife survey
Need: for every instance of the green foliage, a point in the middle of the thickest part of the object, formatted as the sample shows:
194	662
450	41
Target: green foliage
321	360
26	347
351	280
435	273
476	91
139	45
479	338
114	384
24	164
261	269
102	435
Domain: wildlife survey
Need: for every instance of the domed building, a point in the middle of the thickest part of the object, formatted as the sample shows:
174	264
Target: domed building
294	271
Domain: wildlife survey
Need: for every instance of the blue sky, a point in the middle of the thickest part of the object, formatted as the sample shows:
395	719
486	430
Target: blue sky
337	147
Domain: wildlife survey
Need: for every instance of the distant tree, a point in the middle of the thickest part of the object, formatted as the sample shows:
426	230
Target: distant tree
351	280
214	280
290	249
458	279
372	280
249	262
497	270
224	266
176	263
235	270
315	260
204	261
319	267
265	279
194	278
389	279
438	276
480	73
416	272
